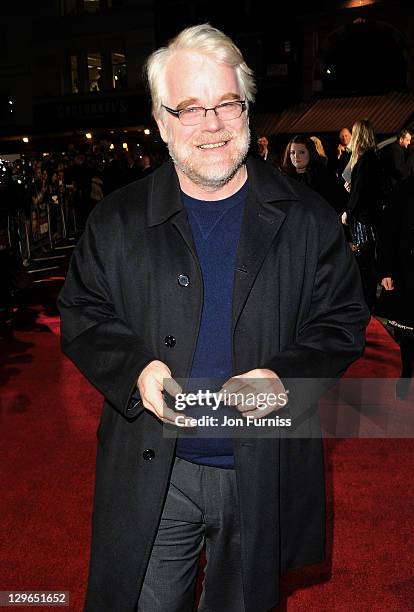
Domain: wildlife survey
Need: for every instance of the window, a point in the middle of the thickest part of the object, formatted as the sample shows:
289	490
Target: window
119	74
74	73
70	7
94	71
91	6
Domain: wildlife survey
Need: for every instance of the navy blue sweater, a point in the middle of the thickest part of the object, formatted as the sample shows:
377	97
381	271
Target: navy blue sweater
216	232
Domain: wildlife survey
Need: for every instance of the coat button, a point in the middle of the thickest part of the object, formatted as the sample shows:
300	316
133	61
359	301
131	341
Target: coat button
169	341
183	280
148	454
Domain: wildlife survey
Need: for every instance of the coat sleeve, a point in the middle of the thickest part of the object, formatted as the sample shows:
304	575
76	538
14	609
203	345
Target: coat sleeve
331	334
93	335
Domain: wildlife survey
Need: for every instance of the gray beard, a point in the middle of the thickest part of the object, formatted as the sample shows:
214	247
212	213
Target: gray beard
211	182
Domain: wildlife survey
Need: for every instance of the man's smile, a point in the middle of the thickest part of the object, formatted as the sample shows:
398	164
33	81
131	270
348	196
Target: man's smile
213	145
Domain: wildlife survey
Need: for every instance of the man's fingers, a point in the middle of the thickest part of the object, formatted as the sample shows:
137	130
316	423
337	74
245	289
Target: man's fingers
234	385
245	408
167	414
254	395
247	393
171	386
255	414
156	404
259	413
257	405
161	411
237	395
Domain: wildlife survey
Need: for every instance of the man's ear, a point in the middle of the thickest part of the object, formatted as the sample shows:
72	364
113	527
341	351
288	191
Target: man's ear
162	127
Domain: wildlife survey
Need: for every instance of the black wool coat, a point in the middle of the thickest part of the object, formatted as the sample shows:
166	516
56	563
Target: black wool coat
297	309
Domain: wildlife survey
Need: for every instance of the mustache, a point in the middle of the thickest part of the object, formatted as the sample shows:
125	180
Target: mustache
214	138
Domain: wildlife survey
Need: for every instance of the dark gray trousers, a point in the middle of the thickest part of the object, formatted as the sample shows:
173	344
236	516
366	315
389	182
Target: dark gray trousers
201	509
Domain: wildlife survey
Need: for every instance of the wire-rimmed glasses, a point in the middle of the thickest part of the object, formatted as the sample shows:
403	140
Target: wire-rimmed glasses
195	114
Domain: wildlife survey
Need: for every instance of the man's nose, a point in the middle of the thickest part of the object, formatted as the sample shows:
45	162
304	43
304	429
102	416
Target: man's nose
212	121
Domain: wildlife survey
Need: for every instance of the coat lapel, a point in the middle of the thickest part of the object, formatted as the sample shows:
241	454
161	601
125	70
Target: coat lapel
269	196
258	233
165	203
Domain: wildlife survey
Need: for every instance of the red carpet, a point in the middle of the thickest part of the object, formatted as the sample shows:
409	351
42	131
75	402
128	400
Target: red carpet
48	419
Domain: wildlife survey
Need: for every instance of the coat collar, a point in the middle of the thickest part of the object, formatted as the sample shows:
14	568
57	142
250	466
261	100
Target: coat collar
164	195
266	184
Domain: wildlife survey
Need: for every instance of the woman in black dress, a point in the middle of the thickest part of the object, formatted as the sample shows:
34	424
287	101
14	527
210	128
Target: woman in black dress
363	210
302	161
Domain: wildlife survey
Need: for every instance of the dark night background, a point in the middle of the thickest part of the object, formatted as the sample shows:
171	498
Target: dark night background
300	51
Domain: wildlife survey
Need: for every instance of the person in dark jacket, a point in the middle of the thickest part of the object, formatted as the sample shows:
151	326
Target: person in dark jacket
217	268
265	153
145	164
396	276
343	152
395	160
363	212
302	161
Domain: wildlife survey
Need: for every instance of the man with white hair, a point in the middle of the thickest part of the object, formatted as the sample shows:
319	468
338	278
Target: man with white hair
216	269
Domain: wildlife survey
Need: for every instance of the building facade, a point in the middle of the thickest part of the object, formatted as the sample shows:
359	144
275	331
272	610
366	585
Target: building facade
74	67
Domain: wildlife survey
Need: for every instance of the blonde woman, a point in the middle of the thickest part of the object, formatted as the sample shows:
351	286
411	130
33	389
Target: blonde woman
363	209
320	149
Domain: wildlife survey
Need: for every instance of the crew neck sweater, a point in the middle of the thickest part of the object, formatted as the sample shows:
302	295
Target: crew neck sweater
215	227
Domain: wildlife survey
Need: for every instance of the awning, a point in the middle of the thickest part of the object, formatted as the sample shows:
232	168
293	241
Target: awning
387	113
277	123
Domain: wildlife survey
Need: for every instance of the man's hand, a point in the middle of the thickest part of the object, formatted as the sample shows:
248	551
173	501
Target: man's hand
258	392
151	385
344	218
387	283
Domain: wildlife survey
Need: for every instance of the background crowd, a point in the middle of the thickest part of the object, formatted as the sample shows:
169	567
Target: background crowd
75	180
371	188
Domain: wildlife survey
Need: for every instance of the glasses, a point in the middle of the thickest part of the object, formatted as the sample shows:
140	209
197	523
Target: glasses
195	114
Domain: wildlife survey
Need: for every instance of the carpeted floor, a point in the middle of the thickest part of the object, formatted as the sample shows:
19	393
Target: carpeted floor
48	416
